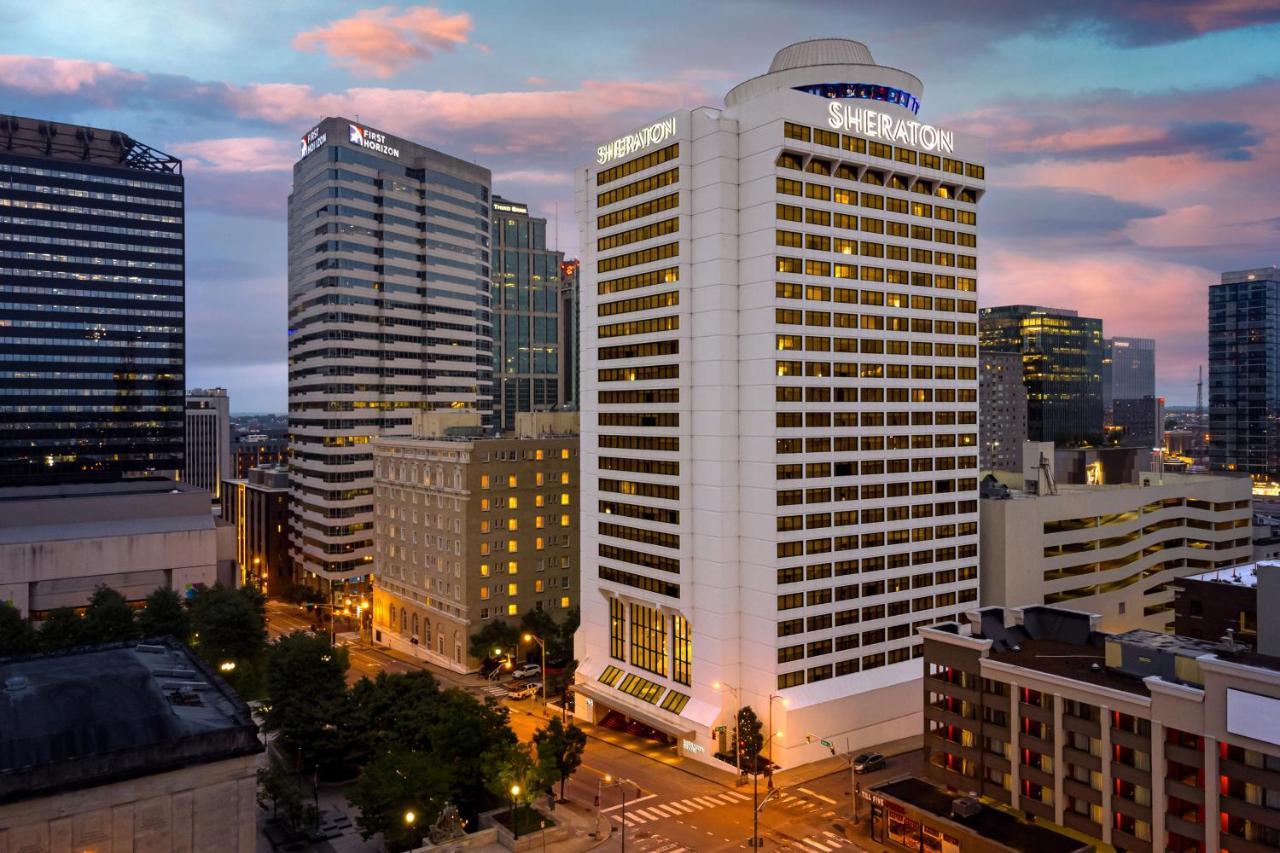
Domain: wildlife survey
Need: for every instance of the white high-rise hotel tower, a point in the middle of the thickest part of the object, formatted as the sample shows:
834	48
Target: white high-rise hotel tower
779	399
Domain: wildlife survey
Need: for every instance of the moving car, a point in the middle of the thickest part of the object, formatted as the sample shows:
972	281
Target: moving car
868	762
528	670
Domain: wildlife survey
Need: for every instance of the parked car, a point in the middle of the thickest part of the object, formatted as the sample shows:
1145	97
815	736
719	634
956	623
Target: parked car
868	762
528	670
528	690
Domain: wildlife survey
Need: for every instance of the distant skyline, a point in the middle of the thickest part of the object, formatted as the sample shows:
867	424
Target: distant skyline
1133	146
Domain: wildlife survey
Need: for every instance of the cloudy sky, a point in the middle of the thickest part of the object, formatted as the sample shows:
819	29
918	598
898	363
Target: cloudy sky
1134	146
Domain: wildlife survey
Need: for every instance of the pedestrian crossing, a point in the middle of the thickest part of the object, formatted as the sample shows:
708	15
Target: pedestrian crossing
825	843
641	814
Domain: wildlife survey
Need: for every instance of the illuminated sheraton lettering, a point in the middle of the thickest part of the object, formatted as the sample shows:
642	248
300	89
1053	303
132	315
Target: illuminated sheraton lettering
311	141
631	143
878	125
371	139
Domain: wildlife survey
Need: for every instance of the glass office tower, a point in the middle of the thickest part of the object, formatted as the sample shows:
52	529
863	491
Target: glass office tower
527	323
92	348
1244	373
1061	368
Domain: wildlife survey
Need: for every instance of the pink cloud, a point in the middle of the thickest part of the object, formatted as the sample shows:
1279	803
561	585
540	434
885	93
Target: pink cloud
1133	295
43	75
382	42
238	154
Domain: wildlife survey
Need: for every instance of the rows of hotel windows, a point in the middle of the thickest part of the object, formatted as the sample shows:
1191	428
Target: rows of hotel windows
872	177
639	164
653	634
82	210
90	177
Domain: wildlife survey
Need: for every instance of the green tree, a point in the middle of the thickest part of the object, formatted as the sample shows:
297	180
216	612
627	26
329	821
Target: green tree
306	680
512	766
108	618
165	615
560	750
557	635
228	624
62	629
749	737
289	802
462	729
496	634
17	637
393	784
390	712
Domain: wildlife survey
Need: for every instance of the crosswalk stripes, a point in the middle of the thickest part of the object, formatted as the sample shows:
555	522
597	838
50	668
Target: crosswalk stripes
678	808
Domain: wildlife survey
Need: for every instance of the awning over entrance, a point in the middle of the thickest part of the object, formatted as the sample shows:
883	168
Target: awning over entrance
636	710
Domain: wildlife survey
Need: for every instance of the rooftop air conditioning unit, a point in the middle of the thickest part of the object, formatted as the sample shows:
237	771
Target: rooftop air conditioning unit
965	807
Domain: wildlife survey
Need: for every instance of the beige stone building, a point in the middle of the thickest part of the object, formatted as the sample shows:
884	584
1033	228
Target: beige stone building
469	528
58	543
1114	550
135	746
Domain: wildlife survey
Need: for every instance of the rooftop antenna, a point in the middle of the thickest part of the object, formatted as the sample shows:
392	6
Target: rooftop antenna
1199	394
1046	471
556	214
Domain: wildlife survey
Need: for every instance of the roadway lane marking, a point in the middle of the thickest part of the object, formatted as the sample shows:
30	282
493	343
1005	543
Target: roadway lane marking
707	802
682	807
665	810
815	845
649	814
827	800
629	802
738	796
728	799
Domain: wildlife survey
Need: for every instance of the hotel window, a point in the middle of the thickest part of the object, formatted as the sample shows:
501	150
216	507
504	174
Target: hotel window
513	610
564	602
484	481
617	629
795	131
513	567
682	649
648	639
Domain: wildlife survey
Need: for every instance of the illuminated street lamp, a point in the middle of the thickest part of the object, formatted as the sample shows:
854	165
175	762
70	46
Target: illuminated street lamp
410	818
515	792
609	782
227	666
534	638
737	715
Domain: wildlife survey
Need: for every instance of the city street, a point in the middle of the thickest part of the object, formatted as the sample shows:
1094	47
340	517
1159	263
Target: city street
668	809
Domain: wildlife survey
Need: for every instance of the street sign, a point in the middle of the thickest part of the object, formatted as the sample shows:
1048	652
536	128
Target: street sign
825	743
719	729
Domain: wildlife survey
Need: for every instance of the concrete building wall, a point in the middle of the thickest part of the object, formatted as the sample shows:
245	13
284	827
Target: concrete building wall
210	808
1113	550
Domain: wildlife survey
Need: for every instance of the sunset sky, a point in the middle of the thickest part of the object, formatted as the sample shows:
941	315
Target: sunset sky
1133	147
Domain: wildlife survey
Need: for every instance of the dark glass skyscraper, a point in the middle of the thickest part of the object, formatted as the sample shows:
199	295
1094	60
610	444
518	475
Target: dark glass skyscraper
92	292
527	305
1244	373
1061	367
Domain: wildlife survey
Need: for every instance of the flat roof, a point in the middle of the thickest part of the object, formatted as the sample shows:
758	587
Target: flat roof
990	823
1244	575
101	714
1070	660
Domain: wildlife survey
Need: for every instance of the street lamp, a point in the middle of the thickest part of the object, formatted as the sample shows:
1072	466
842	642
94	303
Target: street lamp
737	719
227	666
755	774
542	646
610	782
410	818
515	828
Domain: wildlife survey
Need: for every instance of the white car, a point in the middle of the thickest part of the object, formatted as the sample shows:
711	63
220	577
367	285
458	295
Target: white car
528	670
525	691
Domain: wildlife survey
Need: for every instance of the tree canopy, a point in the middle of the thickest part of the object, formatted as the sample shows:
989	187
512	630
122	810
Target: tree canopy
394	784
165	615
108	618
306	680
228	624
17	637
560	750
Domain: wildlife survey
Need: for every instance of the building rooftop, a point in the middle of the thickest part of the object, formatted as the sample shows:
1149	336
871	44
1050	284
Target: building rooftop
33	137
84	510
1086	663
101	714
990	823
1243	575
821	52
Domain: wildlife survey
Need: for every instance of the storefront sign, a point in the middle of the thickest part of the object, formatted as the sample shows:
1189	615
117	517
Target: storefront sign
691	747
627	145
877	125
